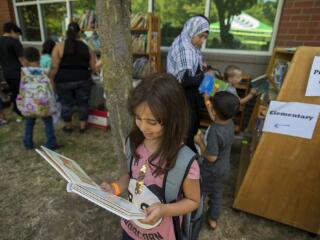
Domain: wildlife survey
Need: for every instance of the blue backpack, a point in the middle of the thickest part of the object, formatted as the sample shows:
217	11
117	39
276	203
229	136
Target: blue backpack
191	223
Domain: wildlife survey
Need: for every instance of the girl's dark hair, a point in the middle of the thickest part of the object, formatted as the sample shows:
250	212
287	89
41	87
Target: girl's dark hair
48	46
31	54
167	102
225	104
71	40
230	71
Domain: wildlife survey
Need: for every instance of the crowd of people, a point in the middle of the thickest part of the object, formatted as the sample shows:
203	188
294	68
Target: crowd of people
164	108
68	65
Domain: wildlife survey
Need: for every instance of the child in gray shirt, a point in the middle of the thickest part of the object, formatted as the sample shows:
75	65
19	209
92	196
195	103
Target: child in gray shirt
216	153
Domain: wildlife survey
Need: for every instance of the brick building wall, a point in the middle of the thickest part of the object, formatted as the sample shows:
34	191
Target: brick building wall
299	24
6	12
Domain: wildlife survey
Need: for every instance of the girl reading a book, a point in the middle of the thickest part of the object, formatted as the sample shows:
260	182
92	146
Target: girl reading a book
159	110
184	61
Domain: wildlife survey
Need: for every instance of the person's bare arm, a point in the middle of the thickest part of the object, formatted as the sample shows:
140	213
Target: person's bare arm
198	139
22	61
56	56
247	98
208	105
92	62
123	183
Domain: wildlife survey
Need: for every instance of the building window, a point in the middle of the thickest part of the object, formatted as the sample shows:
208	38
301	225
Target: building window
238	25
247	25
55	20
173	15
29	22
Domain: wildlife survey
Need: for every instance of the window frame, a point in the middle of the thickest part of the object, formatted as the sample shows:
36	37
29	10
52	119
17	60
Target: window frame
38	3
150	10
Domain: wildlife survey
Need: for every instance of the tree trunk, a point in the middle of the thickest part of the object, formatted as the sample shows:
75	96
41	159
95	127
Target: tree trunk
115	39
225	36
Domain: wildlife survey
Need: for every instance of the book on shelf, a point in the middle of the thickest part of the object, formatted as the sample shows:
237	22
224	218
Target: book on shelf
138	21
279	72
80	183
139	43
261	83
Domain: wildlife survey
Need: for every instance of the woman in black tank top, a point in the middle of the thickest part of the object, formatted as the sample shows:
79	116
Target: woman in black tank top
72	64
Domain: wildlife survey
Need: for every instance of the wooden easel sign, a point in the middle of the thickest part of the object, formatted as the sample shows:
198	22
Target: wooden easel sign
292	118
313	88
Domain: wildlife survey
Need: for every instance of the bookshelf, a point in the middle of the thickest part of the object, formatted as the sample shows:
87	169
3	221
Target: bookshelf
146	41
278	175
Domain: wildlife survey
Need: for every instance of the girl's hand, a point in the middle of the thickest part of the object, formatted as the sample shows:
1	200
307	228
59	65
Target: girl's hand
106	187
198	138
153	214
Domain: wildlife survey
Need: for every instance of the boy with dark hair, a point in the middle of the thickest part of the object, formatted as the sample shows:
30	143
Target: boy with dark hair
216	153
11	58
36	99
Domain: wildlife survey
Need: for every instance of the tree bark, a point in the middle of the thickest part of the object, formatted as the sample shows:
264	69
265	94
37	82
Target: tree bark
115	39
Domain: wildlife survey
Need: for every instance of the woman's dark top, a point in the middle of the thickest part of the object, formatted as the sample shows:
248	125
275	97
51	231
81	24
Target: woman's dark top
191	84
75	68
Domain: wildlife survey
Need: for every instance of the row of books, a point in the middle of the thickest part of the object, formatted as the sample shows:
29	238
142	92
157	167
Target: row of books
143	67
138	21
279	72
88	20
139	43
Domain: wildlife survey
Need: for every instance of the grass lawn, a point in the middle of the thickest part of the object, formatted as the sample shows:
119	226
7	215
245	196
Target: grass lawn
35	205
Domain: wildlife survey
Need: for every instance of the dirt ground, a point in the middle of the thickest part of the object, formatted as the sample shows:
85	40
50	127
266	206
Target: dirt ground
35	205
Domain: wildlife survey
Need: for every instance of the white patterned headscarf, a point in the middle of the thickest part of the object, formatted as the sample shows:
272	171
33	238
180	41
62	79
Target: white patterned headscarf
182	54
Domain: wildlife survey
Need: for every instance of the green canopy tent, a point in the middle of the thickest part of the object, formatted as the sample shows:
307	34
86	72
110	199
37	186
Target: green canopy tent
247	29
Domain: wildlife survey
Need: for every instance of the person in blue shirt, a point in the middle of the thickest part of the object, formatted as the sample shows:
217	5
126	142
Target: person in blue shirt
46	60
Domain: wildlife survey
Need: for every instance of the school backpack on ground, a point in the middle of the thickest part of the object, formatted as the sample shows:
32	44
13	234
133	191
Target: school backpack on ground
191	223
36	97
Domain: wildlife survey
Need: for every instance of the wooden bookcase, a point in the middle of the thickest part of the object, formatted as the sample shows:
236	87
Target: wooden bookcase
152	42
242	89
282	180
151	29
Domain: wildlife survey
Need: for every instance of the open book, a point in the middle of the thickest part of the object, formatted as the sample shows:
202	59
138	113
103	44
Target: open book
260	83
80	183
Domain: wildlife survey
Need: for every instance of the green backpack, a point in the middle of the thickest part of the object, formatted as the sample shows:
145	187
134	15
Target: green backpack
191	223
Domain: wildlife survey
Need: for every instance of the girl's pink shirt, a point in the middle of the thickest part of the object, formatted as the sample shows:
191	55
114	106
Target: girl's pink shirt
165	230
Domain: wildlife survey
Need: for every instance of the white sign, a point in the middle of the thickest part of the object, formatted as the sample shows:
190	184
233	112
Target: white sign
292	118
313	88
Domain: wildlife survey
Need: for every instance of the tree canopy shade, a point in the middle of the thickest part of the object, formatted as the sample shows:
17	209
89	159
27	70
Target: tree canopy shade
259	14
226	10
116	56
174	14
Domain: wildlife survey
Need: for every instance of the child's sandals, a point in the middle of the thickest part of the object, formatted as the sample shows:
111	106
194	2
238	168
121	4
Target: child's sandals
213	224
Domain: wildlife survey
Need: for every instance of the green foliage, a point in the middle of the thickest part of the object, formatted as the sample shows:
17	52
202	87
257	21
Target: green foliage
265	13
54	20
177	12
139	6
86	4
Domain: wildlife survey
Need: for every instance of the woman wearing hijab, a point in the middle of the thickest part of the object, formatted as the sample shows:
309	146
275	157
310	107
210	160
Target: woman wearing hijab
184	61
